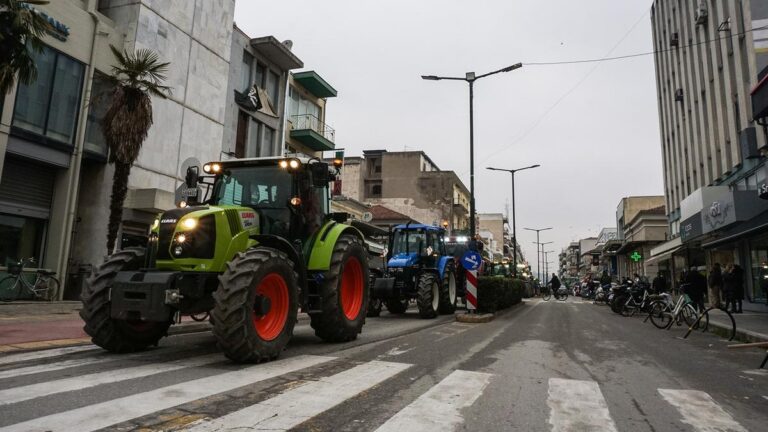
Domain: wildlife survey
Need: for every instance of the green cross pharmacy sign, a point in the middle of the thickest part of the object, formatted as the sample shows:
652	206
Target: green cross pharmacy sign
636	256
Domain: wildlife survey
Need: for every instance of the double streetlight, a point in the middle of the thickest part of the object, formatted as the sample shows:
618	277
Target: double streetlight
514	231
470	78
539	244
546	260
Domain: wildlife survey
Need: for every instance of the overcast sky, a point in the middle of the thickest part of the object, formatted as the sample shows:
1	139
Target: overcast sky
593	127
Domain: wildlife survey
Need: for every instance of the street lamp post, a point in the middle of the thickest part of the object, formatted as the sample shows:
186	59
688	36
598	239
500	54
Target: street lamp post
470	78
546	260
514	231
538	260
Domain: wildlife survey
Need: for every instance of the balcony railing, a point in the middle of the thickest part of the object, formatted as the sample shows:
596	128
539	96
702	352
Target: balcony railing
310	122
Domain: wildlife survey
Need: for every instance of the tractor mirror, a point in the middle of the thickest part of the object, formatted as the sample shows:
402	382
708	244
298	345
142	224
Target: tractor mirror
320	175
192	177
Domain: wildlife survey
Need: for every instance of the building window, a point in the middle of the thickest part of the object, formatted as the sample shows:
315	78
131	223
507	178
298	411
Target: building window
261	72
376	191
300	106
272	86
20	238
261	139
49	106
267	140
101	91
245	72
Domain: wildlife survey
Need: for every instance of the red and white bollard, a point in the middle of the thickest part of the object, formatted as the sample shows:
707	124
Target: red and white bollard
471	290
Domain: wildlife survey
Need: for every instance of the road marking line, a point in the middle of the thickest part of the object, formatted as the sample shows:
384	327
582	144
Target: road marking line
12	373
761	372
19	394
15	358
439	408
700	411
577	405
102	415
300	404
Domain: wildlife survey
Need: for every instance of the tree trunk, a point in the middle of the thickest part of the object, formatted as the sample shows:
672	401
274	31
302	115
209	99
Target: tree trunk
119	191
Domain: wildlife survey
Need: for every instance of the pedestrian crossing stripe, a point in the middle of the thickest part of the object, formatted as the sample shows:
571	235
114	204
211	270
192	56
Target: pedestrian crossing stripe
700	411
101	415
299	404
577	405
43	354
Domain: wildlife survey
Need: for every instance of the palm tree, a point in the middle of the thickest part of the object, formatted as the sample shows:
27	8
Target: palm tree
21	30
126	123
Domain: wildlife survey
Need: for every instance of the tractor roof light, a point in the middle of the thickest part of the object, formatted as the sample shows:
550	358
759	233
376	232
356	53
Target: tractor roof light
294	163
295	201
216	167
283	163
207	168
182	204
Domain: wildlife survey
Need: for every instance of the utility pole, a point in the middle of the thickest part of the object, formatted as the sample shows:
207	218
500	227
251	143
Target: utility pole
538	260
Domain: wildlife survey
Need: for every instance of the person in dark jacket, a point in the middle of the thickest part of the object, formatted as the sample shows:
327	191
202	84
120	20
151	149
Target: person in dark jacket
733	288
659	284
555	282
715	281
605	279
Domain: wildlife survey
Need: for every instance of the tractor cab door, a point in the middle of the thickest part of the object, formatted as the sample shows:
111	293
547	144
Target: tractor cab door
309	215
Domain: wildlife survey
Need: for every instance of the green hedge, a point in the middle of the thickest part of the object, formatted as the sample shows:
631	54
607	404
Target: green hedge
497	292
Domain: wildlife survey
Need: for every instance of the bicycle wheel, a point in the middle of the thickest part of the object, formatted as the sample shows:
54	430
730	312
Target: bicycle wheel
689	315
546	295
660	314
46	287
9	288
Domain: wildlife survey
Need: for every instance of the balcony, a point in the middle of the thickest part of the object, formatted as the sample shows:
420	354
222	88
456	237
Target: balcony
310	131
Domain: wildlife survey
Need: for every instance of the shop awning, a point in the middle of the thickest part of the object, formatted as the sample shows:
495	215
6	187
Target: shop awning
755	225
662	256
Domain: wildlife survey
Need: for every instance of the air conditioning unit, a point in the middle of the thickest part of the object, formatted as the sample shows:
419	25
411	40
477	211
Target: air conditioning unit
701	13
748	143
674	40
679	95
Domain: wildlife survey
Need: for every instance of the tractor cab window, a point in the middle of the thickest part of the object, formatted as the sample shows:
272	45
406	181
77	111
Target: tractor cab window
408	241
436	243
266	189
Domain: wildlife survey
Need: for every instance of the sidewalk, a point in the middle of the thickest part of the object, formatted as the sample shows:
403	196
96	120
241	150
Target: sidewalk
751	326
36	325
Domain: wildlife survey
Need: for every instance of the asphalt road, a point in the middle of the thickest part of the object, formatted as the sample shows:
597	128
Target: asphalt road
540	366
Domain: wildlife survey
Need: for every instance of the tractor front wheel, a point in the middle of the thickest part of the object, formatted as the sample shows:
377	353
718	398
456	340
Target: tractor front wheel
428	299
120	336
344	293
256	305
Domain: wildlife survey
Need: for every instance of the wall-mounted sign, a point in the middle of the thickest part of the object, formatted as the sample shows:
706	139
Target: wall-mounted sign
762	186
691	228
720	213
636	256
58	29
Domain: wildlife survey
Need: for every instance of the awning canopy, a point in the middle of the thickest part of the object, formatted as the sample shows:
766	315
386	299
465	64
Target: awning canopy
662	256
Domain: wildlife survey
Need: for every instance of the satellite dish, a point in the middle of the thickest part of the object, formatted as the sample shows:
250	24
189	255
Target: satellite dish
367	217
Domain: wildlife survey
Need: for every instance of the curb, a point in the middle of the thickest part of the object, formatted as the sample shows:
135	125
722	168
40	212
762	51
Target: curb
475	318
179	329
746	336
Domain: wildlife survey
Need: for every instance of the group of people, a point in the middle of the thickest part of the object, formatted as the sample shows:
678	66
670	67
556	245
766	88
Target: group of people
731	283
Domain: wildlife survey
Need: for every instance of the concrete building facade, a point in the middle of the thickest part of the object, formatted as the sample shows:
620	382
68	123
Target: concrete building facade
409	183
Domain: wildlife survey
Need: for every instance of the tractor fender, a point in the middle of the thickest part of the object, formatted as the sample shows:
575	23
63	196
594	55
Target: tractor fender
324	242
442	264
283	245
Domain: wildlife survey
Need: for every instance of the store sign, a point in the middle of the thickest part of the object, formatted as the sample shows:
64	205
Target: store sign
719	213
762	187
691	228
58	29
636	256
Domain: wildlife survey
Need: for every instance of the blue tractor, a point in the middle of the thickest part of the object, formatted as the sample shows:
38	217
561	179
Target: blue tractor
418	267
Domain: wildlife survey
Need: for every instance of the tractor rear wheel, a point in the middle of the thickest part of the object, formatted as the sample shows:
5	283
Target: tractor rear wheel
428	295
256	305
344	293
120	336
448	291
397	306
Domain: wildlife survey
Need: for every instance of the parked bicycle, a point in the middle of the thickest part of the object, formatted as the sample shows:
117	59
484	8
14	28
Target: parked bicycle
14	286
664	313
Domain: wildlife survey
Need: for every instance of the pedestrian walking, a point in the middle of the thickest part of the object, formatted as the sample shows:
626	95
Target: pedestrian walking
659	284
715	281
605	279
739	292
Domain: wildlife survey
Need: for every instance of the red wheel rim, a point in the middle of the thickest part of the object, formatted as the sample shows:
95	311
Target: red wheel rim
352	288
270	325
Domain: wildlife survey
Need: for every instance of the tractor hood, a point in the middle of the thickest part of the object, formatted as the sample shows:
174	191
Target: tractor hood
403	260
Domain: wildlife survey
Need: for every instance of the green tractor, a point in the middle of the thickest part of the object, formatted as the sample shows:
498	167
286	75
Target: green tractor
260	245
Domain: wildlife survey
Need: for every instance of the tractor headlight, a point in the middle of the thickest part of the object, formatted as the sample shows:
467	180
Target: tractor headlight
189	223
181	238
155	224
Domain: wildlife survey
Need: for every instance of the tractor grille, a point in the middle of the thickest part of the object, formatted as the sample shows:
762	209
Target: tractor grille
233	218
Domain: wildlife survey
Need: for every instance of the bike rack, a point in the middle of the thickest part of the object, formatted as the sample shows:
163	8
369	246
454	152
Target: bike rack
706	326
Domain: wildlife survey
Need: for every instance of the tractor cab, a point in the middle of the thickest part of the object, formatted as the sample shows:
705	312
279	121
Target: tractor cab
416	245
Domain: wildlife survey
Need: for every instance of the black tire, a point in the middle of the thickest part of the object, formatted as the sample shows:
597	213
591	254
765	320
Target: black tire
397	307
334	324
9	288
374	304
546	294
235	321
689	315
428	295
448	292
115	335
659	314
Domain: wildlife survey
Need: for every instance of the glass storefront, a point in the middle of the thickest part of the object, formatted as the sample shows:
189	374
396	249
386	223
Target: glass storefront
758	250
20	238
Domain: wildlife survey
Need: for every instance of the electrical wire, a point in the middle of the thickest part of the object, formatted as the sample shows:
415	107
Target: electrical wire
603	59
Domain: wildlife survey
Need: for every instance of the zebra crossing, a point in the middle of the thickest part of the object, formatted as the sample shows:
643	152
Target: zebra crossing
307	386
